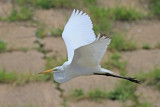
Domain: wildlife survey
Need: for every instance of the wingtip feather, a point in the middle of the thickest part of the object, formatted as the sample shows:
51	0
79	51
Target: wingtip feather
81	12
77	12
73	12
98	37
108	40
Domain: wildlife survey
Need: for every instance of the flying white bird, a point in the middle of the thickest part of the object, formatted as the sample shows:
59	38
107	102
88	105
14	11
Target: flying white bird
85	51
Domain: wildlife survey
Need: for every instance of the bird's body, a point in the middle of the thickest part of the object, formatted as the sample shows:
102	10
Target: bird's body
85	61
85	51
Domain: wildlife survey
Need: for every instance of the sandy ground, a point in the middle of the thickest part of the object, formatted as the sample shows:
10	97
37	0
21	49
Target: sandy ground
5	9
146	32
31	61
87	103
141	60
88	83
148	94
55	48
53	18
17	36
35	94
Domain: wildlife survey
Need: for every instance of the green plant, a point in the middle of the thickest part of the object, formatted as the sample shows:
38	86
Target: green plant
3	46
41	33
63	3
89	2
20	78
77	93
56	32
119	43
146	46
126	14
158	45
21	14
96	95
25	2
101	18
151	78
154	6
123	91
46	4
7	77
64	104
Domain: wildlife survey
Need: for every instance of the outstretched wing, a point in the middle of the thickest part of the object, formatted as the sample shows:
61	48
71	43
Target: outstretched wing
90	55
78	32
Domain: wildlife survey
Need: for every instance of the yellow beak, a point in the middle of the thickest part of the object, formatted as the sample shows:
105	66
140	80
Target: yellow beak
48	71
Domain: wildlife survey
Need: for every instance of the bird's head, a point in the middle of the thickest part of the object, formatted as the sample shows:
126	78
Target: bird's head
53	70
58	73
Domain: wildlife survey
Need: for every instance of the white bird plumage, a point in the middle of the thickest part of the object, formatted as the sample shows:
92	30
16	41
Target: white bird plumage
85	51
78	32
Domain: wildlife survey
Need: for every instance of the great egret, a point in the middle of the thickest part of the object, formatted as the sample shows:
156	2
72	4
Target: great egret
85	51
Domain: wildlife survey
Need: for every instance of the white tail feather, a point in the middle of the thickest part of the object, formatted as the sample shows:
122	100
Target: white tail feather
106	71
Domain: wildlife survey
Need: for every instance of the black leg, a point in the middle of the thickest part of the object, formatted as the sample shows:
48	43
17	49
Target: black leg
118	76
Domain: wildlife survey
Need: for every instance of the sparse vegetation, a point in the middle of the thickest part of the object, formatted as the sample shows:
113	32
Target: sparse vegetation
114	62
89	2
142	104
155	7
47	4
3	46
126	14
151	78
20	14
44	4
41	32
158	45
101	19
24	49
119	43
19	78
146	46
77	93
123	91
56	32
64	104
96	95
7	77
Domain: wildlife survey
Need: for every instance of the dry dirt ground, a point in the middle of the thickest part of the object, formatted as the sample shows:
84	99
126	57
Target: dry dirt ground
39	94
45	94
30	61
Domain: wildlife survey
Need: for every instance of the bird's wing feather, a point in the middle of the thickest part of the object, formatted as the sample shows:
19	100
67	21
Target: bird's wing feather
91	54
78	32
